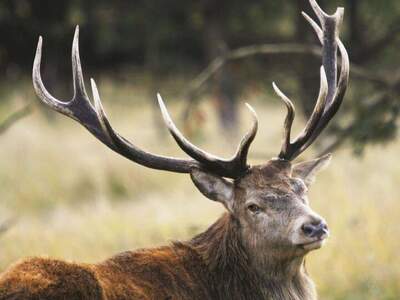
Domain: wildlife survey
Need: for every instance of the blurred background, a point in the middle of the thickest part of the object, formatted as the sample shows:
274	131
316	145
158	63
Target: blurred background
65	195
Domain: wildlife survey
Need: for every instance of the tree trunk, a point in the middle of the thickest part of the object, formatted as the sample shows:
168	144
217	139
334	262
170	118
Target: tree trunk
215	45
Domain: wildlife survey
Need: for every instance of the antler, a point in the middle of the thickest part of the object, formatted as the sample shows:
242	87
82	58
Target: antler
93	117
331	91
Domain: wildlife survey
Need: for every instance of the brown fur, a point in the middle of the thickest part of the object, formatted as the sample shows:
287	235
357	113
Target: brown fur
220	263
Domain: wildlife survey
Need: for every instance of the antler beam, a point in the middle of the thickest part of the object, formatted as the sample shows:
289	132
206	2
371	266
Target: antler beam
331	91
94	118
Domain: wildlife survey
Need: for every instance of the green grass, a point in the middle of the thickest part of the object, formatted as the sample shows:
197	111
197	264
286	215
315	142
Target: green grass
75	199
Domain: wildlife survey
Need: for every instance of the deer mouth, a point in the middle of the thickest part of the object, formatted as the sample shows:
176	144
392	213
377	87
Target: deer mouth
313	245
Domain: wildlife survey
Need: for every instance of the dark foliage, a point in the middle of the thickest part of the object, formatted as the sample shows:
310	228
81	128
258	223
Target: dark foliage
166	37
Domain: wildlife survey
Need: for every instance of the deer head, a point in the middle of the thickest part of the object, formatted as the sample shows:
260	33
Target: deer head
269	201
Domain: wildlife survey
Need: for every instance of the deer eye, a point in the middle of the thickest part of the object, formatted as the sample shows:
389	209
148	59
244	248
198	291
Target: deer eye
300	187
253	208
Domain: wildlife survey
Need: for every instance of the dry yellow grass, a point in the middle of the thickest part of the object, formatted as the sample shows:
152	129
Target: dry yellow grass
77	200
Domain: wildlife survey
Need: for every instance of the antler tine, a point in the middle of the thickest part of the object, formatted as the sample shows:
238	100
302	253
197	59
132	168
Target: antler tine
182	142
77	75
344	75
288	120
317	112
248	138
287	145
237	164
315	26
331	92
101	114
39	87
318	11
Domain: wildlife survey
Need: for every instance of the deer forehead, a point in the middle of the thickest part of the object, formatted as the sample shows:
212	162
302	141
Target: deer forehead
273	178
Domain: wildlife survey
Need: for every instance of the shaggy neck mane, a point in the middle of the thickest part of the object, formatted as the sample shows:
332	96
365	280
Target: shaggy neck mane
233	271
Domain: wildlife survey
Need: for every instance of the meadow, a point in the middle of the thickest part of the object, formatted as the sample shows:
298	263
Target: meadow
73	198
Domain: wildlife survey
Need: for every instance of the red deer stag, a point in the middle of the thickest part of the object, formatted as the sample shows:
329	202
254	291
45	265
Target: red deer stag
255	250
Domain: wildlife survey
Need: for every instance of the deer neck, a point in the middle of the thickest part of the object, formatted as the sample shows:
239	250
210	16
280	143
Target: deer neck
236	269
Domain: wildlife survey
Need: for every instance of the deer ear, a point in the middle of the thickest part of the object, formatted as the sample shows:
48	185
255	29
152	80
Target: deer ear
308	170
214	187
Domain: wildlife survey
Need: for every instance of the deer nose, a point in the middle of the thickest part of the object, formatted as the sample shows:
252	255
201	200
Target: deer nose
316	229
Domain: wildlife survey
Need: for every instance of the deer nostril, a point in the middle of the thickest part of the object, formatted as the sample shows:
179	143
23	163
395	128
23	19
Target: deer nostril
308	229
315	229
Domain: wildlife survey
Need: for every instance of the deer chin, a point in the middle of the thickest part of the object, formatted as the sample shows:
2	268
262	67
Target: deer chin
313	245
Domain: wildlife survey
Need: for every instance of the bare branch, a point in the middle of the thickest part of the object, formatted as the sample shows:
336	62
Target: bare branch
204	76
345	133
370	51
14	117
243	52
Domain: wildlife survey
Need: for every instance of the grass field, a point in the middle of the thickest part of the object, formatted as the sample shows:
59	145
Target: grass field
73	198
